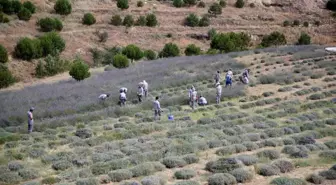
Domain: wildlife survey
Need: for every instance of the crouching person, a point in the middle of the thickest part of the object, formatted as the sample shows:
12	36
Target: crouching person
202	101
157	109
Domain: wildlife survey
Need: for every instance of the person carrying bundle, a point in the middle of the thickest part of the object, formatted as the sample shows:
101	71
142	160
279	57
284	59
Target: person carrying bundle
193	98
218	92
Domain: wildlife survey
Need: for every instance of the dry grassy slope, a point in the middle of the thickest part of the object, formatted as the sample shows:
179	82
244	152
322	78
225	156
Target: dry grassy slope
80	38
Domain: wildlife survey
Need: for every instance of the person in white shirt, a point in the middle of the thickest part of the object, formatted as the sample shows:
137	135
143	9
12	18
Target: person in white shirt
140	93
218	92
145	88
30	120
202	101
103	96
157	108
192	88
122	98
193	99
123	89
230	73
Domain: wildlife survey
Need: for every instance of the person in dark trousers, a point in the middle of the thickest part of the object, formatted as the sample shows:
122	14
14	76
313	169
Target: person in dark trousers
122	98
157	109
217	77
30	120
140	93
228	80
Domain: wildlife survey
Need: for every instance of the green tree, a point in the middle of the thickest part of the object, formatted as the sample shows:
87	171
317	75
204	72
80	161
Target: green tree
140	4
204	22
150	54
24	14
286	23
274	39
215	9
229	42
331	5
304	39
133	52
120	61
296	23
192	20
190	2
58	24
6	77
141	21
122	4
50	24
88	19
128	21
63	7
240	3
222	3
39	70
211	33
79	70
3	18
151	20
6	6
305	24
28	49
16	5
178	3
116	20
3	54
192	49
30	6
52	43
170	50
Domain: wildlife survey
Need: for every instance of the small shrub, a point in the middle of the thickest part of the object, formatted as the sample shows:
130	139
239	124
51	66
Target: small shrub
50	180
204	22
267	170
151	20
287	181
242	175
15	165
331	121
170	50
329	154
122	4
28	49
240	4
305	24
140	4
270	154
274	39
88	19
222	165
215	9
87	181
185	174
141	21
299	154
146	169
120	175
228	42
6	77
133	52
178	3
24	14
120	61
190	2
3	54
288	141
222	3
150	54
247	160
331	144
192	20
328	174
284	165
211	33
116	20
201	4
290	149
250	146
28	173
10	177
61	165
317	23
286	23
315	179
128	21
304	39
192	49
222	179
63	7
296	23
316	96
190	158
173	162
331	5
50	24
79	70
28	5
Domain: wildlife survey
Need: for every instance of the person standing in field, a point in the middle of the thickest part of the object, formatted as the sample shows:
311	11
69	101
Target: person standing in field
145	88
30	120
192	88
228	80
122	97
140	93
123	89
218	92
157	109
217	77
193	98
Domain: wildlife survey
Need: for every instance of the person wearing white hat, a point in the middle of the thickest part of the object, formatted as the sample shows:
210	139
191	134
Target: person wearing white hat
218	92
30	119
145	88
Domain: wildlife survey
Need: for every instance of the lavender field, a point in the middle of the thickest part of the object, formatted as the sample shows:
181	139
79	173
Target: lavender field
279	129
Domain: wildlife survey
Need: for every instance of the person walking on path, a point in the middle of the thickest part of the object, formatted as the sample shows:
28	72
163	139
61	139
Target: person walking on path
140	93
30	120
217	77
193	99
218	92
157	109
145	88
122	98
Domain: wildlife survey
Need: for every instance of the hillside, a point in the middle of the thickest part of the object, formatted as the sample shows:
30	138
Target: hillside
265	17
279	129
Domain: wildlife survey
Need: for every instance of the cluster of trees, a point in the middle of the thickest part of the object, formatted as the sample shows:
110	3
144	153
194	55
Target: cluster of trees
193	20
51	66
276	38
49	43
228	42
148	20
23	10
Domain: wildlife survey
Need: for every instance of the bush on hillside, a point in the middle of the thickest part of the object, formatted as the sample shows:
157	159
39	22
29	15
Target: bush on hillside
286	23
190	158
192	49
192	20
120	61
50	180
173	162
296	23
151	20
201	4
274	39
331	144
3	54
270	154
305	24
239	3
28	173
87	181
150	55
141	21
52	65
284	165
328	174
229	42
120	175
178	3
247	160
63	7
204	22
79	71
190	2
28	49
16	6
215	9
128	21
50	24
24	14
211	33
133	52
140	4
242	175
88	19
170	50
122	4
185	174
3	18
116	20
287	181
15	165
10	178
51	43
30	6
222	3
304	39
222	179
267	170
222	165
331	5
315	179
153	180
